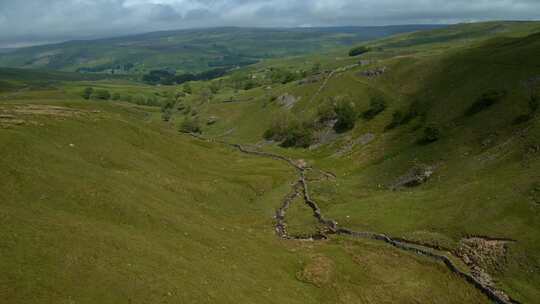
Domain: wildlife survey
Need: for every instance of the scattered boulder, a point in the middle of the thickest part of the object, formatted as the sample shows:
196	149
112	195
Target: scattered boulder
483	255
417	176
362	141
287	101
212	120
374	72
312	79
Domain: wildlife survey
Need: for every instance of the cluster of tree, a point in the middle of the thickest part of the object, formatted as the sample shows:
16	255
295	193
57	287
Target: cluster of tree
485	101
165	77
357	51
290	131
190	125
399	118
107	67
376	106
98	94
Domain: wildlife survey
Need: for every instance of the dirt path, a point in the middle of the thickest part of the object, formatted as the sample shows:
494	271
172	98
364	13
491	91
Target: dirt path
301	188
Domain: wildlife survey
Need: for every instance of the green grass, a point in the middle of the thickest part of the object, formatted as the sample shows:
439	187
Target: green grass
116	199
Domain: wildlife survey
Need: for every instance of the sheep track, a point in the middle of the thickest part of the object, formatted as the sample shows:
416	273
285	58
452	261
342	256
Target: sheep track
301	188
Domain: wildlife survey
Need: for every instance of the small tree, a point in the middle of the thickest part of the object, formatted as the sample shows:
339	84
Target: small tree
377	105
87	93
432	133
358	51
167	110
397	119
346	116
188	89
190	125
101	95
214	87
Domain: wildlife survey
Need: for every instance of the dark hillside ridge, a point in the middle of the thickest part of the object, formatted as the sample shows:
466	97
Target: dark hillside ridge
193	50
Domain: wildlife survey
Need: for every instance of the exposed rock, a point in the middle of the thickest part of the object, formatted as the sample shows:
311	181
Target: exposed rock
482	254
212	120
374	72
418	175
365	62
362	140
312	79
287	101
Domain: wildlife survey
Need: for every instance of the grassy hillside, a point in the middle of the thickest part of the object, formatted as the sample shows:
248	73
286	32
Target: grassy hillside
105	203
104	195
485	156
192	50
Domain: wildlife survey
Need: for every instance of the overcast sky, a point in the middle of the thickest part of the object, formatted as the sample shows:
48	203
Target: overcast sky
37	21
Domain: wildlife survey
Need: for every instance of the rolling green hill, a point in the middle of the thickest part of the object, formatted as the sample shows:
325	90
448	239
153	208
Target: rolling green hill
192	50
106	201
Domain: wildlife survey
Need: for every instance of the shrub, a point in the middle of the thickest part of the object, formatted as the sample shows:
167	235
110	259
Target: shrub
397	119
188	89
299	136
346	117
290	132
485	101
167	109
101	95
87	93
358	51
432	133
326	112
377	105
139	99
415	110
190	125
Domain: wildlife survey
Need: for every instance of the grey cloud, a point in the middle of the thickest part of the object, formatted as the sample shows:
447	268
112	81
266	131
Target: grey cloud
23	21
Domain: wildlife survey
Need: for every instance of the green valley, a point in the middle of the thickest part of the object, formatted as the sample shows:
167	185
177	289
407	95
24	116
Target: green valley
404	170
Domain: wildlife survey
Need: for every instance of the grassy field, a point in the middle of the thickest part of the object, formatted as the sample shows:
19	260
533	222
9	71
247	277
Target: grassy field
104	202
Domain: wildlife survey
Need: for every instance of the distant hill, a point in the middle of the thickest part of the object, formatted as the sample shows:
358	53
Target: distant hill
193	50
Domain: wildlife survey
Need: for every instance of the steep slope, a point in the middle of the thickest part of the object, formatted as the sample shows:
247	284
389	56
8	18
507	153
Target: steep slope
104	203
484	157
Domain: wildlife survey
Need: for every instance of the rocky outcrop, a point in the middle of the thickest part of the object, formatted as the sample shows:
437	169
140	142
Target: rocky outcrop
417	176
374	73
362	140
287	101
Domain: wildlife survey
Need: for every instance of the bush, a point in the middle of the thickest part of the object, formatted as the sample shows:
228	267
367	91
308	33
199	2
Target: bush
326	112
101	95
190	125
167	110
485	101
346	116
415	110
299	136
432	133
377	105
290	132
397	119
358	51
187	89
87	93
